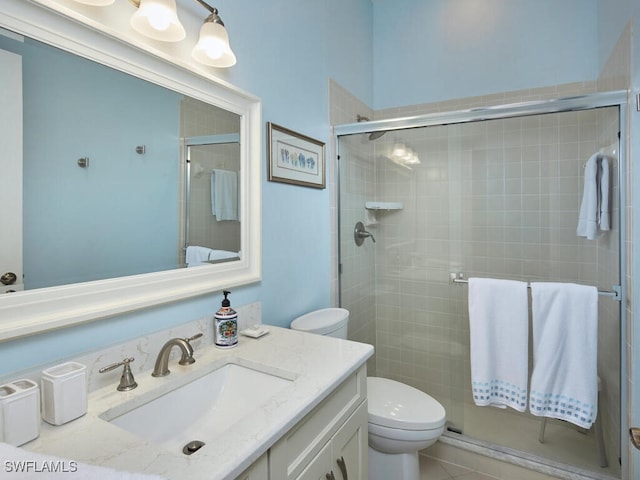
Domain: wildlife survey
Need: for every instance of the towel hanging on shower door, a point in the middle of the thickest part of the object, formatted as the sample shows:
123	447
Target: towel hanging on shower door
499	333
564	382
594	209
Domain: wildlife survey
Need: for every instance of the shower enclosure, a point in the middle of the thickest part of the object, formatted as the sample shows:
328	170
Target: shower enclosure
481	193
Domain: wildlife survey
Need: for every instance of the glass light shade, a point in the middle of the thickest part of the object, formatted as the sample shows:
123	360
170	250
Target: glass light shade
213	47
158	19
399	150
96	3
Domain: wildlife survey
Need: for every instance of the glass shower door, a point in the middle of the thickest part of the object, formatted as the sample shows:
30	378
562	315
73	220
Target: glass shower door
494	198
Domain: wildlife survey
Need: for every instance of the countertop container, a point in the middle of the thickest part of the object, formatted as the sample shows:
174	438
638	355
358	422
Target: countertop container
64	393
19	412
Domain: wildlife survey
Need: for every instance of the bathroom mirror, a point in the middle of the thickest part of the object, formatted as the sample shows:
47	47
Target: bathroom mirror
163	106
118	173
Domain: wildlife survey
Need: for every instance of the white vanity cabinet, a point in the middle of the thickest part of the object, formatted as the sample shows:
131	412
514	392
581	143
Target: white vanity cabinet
344	456
258	471
330	442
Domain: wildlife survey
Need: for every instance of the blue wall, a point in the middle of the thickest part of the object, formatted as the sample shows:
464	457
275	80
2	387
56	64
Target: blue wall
428	51
286	55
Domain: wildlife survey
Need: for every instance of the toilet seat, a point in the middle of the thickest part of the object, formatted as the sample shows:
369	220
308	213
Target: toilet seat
398	406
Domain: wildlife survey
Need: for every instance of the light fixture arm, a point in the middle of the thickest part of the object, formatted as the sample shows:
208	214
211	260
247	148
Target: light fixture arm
213	17
212	47
207	6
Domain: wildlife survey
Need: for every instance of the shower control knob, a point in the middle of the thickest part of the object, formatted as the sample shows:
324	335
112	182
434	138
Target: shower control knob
8	278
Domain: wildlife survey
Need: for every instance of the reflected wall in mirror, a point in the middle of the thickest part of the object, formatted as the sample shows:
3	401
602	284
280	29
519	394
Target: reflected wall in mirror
125	212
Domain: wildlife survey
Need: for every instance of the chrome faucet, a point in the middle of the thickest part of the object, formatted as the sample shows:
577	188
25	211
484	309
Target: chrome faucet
161	368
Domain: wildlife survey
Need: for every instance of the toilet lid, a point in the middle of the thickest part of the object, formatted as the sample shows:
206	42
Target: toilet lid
396	405
322	321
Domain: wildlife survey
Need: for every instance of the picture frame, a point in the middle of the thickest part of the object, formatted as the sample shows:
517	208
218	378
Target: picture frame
294	158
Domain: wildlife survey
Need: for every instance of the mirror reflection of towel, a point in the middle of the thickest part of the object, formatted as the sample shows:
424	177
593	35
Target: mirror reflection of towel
224	195
197	255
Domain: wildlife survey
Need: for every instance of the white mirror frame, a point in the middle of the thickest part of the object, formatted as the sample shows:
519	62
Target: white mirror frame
41	310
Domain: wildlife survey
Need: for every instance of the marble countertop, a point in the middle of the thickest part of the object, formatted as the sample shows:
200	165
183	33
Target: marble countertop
316	364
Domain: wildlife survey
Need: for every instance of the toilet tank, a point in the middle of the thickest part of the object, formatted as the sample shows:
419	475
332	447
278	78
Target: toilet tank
331	322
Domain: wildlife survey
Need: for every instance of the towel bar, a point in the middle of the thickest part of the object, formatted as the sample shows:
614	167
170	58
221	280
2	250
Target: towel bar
614	293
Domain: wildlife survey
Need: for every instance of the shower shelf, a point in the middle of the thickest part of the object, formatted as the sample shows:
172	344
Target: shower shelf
383	205
373	207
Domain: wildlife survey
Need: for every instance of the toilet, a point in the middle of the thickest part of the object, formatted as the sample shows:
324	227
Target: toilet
402	420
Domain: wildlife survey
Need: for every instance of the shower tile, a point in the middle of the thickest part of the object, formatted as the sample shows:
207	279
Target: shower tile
570	133
513	234
569	150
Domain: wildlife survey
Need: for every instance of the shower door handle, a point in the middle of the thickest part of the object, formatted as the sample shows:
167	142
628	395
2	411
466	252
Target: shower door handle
359	234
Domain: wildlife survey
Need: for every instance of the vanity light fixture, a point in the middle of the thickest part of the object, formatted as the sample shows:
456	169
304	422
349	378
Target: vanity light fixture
213	47
158	20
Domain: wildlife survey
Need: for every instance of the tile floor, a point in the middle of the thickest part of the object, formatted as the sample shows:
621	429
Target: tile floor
452	463
432	469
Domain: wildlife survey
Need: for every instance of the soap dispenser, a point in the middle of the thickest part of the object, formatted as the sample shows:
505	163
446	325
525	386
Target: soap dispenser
225	328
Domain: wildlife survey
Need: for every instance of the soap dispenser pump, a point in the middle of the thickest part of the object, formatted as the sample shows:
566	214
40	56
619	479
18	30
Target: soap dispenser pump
226	325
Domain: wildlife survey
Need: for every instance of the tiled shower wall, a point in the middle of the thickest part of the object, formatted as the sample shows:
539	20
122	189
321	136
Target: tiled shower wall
358	278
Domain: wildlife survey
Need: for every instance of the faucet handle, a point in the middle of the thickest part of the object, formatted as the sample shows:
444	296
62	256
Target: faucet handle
127	382
187	356
197	335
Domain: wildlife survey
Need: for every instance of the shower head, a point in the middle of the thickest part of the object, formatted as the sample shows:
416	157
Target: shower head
376	135
372	135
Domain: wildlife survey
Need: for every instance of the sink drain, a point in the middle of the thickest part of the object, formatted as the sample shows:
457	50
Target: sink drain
192	447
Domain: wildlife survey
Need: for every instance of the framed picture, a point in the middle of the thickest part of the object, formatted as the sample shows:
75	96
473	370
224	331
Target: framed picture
294	158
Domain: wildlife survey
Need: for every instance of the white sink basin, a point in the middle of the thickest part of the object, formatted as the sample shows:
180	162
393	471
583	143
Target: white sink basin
202	409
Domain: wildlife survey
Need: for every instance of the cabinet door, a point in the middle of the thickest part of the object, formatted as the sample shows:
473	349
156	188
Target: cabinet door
258	471
349	447
319	467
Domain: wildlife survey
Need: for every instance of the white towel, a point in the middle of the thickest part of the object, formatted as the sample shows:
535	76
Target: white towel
23	464
564	382
224	195
223	255
603	183
594	209
197	255
499	328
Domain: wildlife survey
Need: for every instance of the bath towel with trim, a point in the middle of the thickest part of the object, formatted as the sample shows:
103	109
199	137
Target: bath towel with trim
499	333
564	382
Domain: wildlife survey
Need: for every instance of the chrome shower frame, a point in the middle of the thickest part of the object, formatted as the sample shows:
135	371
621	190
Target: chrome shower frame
567	104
